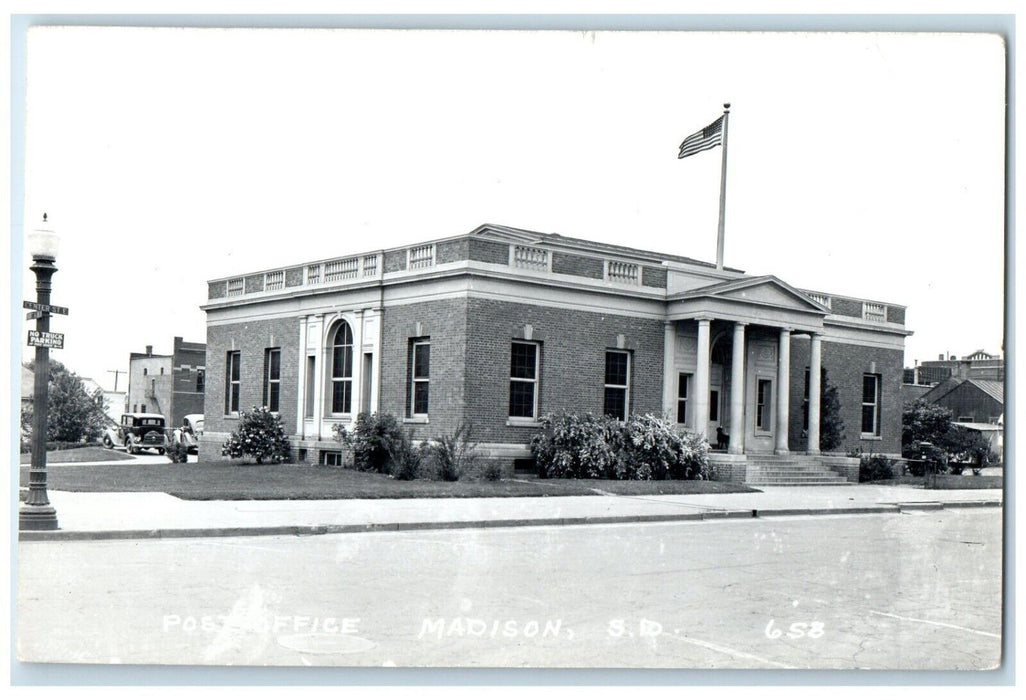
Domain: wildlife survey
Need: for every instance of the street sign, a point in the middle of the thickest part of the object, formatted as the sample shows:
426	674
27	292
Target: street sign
62	310
46	339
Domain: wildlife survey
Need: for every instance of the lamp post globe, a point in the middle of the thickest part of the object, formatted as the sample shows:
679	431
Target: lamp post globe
36	513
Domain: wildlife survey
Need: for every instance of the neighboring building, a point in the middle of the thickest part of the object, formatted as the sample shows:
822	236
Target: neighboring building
978	365
501	326
171	385
113	401
970	400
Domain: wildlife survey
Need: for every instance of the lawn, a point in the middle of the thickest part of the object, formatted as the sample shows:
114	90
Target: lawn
229	481
93	453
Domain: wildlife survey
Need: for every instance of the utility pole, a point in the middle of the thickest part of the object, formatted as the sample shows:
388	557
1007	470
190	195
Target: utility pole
116	373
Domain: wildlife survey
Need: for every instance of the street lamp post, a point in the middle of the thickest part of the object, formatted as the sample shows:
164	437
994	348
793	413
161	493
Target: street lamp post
37	513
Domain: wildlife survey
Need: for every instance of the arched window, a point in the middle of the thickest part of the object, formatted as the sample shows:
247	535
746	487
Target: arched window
342	369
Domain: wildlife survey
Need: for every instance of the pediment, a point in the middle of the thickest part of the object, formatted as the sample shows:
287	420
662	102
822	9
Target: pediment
763	291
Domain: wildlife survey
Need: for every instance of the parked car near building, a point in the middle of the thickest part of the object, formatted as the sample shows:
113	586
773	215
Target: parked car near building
137	431
188	433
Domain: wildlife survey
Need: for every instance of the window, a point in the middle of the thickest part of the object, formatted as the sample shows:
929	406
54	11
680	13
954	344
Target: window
201	379
272	379
871	404
232	382
420	375
342	369
145	371
714	405
618	384
683	380
763	405
143	409
162	371
331	458
523	380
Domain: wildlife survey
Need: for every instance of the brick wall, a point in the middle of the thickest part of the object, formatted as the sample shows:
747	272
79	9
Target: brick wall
573	345
896	314
567	264
653	277
451	251
217	290
251	339
294	277
489	251
845	364
395	260
444	324
254	283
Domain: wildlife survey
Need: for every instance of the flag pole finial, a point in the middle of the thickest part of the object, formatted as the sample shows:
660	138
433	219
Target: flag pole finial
726	106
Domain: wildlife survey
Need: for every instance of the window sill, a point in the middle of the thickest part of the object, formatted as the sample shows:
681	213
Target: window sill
416	420
523	422
865	436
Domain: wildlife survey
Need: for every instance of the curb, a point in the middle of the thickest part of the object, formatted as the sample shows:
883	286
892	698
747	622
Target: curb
311	530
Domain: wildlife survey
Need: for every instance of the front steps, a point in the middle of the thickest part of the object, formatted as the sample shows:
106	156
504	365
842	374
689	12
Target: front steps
790	470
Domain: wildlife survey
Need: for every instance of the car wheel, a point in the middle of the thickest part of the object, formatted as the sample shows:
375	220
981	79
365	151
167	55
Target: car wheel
107	442
160	450
130	446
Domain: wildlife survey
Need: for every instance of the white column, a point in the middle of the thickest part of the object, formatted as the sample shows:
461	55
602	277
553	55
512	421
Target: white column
737	391
670	369
783	390
702	380
301	380
815	361
320	374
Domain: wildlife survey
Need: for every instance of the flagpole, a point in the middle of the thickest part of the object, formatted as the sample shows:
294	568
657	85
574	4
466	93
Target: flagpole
723	190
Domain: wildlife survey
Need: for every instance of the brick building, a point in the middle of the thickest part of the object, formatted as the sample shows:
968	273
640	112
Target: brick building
171	385
501	326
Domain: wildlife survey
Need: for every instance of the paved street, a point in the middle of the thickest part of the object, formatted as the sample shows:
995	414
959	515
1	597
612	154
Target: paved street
917	590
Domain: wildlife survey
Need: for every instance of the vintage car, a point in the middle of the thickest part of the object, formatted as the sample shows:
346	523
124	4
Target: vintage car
137	431
189	431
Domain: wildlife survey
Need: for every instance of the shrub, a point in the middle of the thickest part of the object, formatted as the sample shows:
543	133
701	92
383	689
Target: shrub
651	448
406	458
455	454
642	448
492	471
572	446
371	439
260	435
177	452
875	468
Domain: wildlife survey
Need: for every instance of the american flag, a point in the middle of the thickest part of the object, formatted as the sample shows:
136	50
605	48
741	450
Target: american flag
709	137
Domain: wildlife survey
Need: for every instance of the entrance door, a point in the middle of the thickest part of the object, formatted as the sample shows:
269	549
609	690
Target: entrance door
715	400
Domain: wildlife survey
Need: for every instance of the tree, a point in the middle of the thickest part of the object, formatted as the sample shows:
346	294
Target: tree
831	425
923	422
73	414
261	435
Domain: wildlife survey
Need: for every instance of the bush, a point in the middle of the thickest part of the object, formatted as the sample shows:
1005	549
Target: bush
875	468
492	471
642	448
455	454
260	435
572	446
177	452
371	440
406	458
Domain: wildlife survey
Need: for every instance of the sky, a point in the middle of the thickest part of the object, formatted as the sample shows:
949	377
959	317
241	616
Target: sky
869	165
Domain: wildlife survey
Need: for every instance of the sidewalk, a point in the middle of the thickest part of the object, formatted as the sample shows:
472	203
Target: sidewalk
94	516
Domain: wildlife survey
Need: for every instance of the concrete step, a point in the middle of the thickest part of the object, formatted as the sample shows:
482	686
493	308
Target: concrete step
788	481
